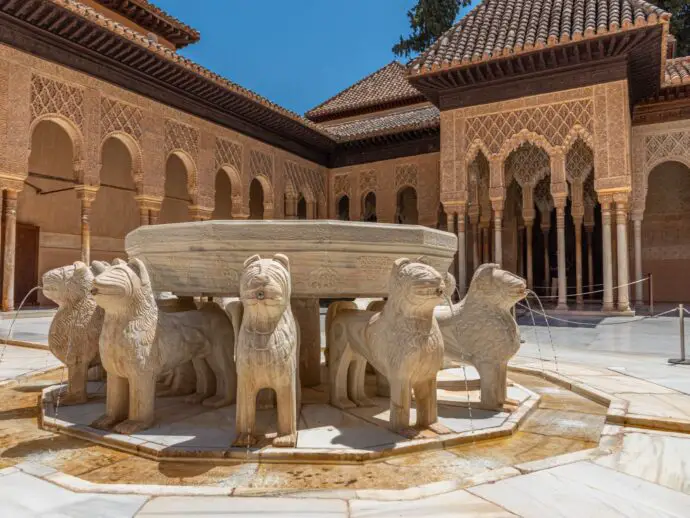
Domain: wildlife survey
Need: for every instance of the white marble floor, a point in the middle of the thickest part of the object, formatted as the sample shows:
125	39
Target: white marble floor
16	361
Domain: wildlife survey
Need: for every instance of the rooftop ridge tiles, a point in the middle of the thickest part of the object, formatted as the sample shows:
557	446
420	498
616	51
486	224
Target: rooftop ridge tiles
677	71
543	23
408	92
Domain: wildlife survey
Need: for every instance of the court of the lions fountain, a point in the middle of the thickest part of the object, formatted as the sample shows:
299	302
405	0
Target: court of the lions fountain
204	348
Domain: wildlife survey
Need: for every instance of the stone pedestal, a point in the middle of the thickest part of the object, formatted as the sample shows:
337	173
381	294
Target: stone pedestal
307	314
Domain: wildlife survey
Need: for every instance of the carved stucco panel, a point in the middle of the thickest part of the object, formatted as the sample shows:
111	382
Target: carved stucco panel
120	116
49	97
304	180
183	137
405	176
368	182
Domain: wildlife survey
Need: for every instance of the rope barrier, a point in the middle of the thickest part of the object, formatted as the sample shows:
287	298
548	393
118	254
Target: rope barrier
568	287
645	279
640	319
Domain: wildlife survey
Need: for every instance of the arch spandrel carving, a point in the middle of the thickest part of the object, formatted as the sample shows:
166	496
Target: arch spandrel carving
527	165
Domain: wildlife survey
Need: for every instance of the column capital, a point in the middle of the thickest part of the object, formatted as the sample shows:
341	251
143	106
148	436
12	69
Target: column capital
149	202
11	183
86	193
198	213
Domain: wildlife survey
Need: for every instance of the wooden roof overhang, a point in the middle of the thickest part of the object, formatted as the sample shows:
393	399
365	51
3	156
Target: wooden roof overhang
634	54
154	20
49	31
671	103
387	146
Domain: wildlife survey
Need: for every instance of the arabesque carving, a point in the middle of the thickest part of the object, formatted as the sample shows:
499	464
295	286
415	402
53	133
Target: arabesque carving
481	330
139	342
405	176
228	153
579	162
49	96
260	164
527	164
119	116
267	347
179	136
76	327
403	343
309	182
342	185
368	182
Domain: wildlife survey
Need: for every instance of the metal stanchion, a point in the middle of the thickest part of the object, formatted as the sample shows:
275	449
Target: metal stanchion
681	360
651	294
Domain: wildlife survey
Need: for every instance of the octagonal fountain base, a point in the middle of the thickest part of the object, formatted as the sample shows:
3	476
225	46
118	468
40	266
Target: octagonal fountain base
187	432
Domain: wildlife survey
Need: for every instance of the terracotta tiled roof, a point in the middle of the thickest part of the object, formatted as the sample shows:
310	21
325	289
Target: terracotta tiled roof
497	28
678	71
387	85
151	15
94	16
415	118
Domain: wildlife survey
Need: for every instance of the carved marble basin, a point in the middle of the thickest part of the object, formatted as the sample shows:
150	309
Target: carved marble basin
328	259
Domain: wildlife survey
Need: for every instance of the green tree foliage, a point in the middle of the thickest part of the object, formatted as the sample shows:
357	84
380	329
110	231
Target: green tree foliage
680	22
429	19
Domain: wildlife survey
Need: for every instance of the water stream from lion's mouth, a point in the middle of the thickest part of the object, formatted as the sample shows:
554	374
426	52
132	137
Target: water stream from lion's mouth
449	301
14	319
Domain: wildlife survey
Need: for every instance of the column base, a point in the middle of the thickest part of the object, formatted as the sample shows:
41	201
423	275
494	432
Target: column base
608	307
624	307
562	307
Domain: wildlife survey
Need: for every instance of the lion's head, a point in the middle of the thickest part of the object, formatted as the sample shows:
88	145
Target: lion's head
121	285
265	285
71	283
417	287
497	286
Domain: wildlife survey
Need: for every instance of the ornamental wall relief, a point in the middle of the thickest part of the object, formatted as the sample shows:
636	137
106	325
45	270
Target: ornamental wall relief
49	97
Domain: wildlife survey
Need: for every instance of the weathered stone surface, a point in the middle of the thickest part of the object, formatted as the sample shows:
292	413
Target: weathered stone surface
481	330
139	342
76	327
403	343
267	347
207	257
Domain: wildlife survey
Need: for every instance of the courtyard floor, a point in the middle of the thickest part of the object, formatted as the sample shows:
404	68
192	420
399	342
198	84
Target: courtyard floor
551	467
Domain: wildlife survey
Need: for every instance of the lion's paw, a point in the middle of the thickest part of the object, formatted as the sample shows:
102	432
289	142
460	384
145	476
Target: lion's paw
439	428
195	399
285	441
365	402
245	440
129	427
73	399
105	422
407	432
343	404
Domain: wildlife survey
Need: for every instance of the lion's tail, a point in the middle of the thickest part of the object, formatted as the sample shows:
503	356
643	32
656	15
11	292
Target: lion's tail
333	311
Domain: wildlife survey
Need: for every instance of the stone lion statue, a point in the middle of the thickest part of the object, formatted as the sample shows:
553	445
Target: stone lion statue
402	342
139	342
266	347
481	330
76	327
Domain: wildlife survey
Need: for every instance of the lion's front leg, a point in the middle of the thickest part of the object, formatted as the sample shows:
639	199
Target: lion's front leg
116	403
357	380
341	357
142	404
401	396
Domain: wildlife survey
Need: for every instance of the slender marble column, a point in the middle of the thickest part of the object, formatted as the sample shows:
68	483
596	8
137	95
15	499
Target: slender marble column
578	262
87	195
639	287
562	276
546	229
623	261
485	245
498	230
291	207
530	268
462	254
10	247
143	216
590	260
311	210
153	216
607	256
474	223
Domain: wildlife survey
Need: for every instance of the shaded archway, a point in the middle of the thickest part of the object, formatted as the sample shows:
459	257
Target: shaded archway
47	206
302	208
223	196
343	207
175	207
665	234
407	212
369	207
441	218
115	211
256	200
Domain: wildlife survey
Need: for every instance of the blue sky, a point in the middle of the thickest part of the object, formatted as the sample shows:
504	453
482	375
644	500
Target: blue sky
297	53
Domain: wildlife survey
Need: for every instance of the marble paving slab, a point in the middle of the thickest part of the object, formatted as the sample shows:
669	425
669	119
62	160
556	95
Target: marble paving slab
23	495
569	425
245	507
658	458
458	504
582	490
